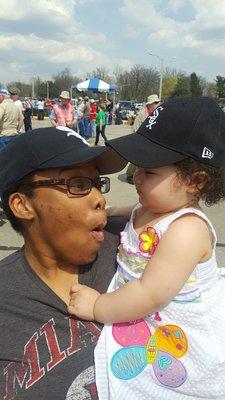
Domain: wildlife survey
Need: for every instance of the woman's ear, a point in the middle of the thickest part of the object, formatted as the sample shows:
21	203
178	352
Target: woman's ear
21	206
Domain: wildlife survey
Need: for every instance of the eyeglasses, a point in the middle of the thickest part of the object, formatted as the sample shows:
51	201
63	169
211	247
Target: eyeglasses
77	186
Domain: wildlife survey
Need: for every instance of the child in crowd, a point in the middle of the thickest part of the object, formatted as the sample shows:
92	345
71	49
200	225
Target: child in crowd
167	299
100	124
27	113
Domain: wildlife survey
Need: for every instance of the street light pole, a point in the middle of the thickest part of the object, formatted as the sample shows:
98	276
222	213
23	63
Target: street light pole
161	73
32	81
161	78
47	89
32	86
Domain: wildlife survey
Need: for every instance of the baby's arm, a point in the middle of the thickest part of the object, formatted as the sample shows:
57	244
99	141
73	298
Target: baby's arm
182	247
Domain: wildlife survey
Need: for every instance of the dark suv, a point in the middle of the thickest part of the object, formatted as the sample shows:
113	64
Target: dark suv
126	109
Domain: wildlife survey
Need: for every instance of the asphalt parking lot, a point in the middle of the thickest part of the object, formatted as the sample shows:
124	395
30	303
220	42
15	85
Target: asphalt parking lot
121	193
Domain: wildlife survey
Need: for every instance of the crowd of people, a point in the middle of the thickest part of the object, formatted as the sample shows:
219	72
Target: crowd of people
148	272
87	116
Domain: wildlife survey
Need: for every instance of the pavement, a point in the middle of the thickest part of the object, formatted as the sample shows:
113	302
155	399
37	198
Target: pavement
121	193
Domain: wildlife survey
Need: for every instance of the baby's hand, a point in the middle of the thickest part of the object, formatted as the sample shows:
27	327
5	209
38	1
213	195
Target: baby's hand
82	301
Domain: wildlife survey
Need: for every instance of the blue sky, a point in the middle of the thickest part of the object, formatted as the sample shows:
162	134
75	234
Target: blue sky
44	37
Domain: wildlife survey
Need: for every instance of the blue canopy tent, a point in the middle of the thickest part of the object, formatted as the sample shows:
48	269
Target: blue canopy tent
94	85
112	88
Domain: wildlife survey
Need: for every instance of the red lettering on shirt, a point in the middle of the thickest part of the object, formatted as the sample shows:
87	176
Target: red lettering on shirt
16	373
53	346
80	333
92	390
27	371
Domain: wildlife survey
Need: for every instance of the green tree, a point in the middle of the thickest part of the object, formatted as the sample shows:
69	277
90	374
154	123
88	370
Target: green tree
63	81
182	88
138	83
41	90
169	83
195	85
101	73
210	90
38	92
25	88
220	84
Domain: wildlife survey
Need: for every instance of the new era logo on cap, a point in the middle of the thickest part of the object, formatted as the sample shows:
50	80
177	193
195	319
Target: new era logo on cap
206	153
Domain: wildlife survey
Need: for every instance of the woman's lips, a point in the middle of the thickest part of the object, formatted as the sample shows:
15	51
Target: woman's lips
98	235
98	231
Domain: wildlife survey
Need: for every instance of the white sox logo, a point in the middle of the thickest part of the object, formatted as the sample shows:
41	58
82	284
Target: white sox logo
152	118
71	132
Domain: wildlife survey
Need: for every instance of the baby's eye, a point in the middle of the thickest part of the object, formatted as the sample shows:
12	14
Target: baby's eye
147	172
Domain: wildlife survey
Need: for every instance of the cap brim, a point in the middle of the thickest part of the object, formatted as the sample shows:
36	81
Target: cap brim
144	153
107	161
152	102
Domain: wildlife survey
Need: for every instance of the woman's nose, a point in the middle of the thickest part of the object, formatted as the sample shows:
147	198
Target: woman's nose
100	201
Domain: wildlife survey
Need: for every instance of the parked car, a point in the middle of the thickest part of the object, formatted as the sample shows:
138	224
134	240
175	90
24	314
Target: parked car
138	106
127	109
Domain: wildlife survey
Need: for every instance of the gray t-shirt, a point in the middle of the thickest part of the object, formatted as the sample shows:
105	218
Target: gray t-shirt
44	353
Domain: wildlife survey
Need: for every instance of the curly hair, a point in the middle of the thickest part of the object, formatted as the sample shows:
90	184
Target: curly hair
211	186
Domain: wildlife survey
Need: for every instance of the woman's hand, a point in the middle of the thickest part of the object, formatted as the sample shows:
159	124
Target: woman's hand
82	301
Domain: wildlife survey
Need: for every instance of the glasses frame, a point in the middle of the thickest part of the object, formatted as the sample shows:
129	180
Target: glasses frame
97	183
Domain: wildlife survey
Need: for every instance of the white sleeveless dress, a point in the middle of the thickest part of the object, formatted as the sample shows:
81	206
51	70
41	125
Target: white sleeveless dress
176	354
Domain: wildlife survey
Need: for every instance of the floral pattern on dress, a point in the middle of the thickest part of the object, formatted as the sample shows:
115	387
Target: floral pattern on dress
148	240
140	347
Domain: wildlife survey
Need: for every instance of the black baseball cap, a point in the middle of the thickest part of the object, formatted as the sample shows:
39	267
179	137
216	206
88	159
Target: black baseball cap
178	128
51	148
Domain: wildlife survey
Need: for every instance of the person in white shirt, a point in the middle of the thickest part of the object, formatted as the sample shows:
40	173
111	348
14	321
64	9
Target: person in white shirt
41	106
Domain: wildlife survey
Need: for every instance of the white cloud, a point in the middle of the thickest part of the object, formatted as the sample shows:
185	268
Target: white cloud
209	13
57	7
143	15
12	10
175	5
48	34
65	42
